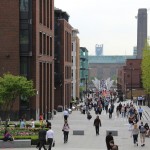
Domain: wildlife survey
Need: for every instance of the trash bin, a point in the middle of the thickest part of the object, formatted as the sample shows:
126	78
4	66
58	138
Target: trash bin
60	108
54	111
49	115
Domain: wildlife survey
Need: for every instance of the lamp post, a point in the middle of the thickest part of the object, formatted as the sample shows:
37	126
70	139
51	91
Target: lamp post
86	84
131	69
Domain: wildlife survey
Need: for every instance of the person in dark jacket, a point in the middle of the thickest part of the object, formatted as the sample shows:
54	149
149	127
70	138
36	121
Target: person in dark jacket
97	123
42	138
109	138
48	124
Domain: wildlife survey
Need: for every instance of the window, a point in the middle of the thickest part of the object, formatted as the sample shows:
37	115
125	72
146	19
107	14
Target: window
47	45
24	37
24	5
40	42
44	44
40	10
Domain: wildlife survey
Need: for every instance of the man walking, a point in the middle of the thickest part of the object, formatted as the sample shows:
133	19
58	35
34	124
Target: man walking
140	111
42	138
66	114
109	138
97	123
50	137
142	134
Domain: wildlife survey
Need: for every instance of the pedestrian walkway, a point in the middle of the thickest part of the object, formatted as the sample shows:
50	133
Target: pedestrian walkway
89	141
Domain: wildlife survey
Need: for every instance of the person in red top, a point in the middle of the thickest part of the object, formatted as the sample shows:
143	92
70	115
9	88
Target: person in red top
41	119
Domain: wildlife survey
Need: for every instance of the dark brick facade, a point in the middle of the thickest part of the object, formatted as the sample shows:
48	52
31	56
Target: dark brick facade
9	40
39	56
63	59
129	77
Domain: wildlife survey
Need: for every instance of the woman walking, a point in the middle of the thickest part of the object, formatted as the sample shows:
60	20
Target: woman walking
65	130
134	133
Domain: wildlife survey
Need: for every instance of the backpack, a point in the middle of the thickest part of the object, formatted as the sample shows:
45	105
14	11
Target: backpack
142	129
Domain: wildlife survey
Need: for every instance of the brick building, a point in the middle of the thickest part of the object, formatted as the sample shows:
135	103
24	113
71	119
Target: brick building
129	78
63	59
27	48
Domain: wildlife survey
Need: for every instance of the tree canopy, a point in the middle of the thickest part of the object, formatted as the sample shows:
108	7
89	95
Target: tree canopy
146	67
11	87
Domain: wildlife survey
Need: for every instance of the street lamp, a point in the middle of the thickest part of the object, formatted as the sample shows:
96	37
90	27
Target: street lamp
86	84
131	69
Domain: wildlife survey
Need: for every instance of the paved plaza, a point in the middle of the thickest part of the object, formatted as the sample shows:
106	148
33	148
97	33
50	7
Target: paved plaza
89	141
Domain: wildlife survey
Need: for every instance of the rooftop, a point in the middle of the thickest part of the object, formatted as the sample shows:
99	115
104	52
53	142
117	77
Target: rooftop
109	59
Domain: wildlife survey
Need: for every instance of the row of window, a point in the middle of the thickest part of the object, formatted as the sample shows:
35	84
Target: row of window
45	44
45	91
68	47
46	12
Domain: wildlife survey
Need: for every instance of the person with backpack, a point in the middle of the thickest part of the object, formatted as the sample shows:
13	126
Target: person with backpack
142	134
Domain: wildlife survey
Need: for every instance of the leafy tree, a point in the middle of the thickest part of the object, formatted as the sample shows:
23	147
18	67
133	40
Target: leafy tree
146	68
11	87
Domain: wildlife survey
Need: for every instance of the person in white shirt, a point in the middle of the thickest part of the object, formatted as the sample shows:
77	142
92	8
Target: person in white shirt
50	137
140	111
66	114
32	123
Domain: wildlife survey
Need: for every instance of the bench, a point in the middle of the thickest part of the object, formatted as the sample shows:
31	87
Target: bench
15	144
114	132
78	132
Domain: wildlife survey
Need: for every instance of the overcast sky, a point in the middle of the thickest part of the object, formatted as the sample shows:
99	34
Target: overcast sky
108	22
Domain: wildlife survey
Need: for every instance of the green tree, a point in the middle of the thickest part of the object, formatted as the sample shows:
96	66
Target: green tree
13	87
146	68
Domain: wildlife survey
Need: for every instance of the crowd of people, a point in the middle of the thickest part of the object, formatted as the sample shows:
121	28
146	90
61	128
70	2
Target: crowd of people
126	110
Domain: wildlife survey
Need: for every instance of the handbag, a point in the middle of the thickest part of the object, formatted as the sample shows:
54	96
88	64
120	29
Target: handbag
53	145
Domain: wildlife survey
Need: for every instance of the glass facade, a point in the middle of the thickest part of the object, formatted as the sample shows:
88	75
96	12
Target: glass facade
83	65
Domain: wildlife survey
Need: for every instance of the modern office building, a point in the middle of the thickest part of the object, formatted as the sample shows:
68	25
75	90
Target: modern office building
27	49
84	70
75	64
63	59
141	31
99	50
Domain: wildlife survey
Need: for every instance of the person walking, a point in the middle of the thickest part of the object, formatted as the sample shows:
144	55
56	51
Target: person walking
110	110
140	111
147	130
65	130
97	124
42	138
142	134
134	134
109	138
48	123
50	137
66	114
